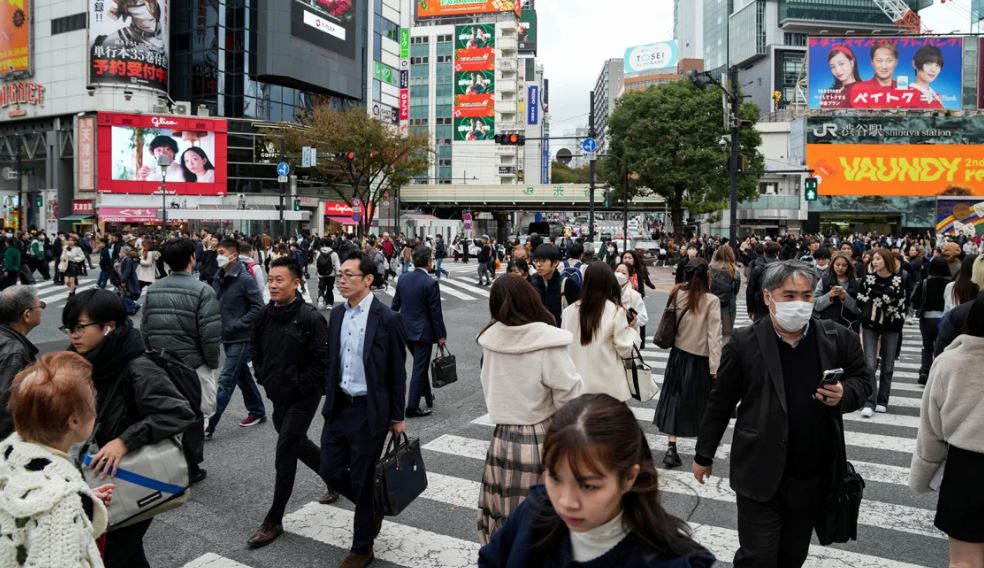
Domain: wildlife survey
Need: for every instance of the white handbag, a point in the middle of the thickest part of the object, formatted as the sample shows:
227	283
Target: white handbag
639	377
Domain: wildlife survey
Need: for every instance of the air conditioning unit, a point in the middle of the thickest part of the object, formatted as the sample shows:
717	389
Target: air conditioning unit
202	110
160	109
182	107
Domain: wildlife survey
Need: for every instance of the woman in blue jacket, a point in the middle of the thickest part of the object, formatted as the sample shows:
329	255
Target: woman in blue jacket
599	505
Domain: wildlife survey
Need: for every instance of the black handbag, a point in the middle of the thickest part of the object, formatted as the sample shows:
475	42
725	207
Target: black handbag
666	331
444	369
400	475
838	521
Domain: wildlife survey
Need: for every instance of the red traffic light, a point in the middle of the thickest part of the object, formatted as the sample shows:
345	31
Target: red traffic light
510	139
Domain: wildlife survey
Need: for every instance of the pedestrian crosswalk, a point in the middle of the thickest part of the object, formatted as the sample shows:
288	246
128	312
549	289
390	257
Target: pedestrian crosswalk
56	294
896	526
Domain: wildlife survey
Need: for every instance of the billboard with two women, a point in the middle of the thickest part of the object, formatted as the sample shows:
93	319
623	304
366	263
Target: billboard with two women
919	73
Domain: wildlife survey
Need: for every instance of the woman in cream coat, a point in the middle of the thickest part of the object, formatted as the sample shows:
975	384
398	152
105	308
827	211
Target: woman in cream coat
603	333
631	299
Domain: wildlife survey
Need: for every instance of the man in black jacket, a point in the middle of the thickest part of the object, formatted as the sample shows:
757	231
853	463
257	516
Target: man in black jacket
556	290
788	440
289	349
20	312
754	301
951	325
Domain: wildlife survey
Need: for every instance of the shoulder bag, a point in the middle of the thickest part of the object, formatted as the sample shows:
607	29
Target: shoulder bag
666	332
444	370
639	377
149	481
400	476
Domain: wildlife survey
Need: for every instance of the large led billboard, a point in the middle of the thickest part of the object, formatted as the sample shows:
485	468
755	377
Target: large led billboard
474	79
885	72
15	36
443	8
326	23
474	129
527	32
128	43
956	216
651	58
131	145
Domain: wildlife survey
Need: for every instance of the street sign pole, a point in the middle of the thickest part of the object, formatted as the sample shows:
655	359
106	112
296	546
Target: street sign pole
282	175
591	169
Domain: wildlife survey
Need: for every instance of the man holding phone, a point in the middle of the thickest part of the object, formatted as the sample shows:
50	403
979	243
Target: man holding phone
794	375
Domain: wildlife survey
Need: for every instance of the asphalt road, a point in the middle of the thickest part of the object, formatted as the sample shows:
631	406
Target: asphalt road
439	530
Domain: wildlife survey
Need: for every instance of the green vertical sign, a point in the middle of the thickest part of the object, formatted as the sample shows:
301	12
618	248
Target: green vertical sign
385	73
404	43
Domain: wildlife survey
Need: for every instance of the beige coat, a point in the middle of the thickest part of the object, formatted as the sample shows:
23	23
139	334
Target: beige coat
527	374
700	333
600	362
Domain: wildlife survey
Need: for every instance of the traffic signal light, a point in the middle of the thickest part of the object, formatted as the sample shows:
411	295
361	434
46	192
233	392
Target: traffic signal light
345	156
810	189
297	205
608	196
39	202
510	139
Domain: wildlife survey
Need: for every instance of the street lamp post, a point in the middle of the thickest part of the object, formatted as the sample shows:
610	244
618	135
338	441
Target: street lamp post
163	161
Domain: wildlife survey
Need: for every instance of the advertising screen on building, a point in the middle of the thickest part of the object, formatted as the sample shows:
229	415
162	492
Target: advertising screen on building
980	76
15	36
474	78
886	72
476	128
955	216
527	32
131	145
475	83
128	43
474	36
443	8
651	58
326	23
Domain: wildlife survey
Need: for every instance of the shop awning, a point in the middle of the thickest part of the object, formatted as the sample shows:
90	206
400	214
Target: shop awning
76	218
128	215
343	220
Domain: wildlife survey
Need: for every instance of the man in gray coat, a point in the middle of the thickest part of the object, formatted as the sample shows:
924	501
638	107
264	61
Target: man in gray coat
181	315
20	312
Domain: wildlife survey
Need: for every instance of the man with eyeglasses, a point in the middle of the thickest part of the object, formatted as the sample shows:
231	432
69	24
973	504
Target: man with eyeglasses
20	312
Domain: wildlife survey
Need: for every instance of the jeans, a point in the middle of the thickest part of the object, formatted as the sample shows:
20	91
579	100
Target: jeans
889	341
483	273
292	422
930	330
406	267
103	278
236	372
438	270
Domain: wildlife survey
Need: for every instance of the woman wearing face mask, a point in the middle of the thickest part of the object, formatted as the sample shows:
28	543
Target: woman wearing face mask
882	300
693	361
145	409
837	292
631	299
600	506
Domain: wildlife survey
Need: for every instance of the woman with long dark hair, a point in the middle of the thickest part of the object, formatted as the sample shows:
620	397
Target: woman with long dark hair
603	334
639	277
693	361
724	271
963	288
882	301
196	167
600	506
527	375
837	292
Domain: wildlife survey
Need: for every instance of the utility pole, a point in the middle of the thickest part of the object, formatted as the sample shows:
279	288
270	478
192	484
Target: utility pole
591	169
734	163
20	188
283	189
625	206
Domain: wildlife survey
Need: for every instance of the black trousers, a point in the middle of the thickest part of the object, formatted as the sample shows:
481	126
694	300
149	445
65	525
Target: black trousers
124	547
193	444
291	422
419	381
326	289
349	451
776	533
929	328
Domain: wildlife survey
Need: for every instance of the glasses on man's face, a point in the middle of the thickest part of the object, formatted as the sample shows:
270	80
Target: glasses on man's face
77	328
539	261
350	275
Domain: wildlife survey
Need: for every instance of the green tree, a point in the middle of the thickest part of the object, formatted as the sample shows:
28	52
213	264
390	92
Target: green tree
562	173
358	156
669	134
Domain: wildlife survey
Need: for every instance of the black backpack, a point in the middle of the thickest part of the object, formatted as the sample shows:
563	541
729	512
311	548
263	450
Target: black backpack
722	285
325	266
184	378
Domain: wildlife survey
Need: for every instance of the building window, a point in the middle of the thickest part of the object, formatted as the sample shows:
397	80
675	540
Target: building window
68	24
387	28
420	39
795	39
445	38
419	60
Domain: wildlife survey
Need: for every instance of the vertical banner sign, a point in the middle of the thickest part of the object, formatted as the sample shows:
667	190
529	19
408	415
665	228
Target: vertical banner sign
86	155
15	36
474	82
404	104
545	162
128	43
404	43
533	105
404	79
527	32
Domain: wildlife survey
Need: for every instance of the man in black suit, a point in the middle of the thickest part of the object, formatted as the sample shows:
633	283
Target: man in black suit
418	299
788	440
364	395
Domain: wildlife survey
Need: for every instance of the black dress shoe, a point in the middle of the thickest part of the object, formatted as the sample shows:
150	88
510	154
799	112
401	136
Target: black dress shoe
267	534
672	459
329	497
430	401
417	413
196	476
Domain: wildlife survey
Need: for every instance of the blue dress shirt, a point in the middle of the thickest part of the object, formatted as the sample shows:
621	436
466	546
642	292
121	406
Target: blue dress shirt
352	343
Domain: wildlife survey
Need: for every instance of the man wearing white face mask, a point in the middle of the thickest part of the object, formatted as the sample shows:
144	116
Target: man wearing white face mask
788	440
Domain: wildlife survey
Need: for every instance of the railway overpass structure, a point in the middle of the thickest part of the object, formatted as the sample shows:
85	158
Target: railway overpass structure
516	197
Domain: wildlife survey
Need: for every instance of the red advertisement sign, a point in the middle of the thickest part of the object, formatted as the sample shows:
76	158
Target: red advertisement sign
86	156
21	93
341	209
404	104
475	59
83	207
128	215
131	147
471	106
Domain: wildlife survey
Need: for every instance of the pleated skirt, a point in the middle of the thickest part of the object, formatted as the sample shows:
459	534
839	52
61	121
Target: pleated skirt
683	398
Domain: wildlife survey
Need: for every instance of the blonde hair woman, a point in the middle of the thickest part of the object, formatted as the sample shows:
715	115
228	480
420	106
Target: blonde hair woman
725	283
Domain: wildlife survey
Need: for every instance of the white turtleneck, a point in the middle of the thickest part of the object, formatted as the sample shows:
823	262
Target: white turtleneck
593	543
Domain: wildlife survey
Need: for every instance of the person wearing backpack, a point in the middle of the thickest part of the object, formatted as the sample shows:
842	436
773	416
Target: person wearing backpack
573	268
725	283
327	267
754	299
146	408
556	290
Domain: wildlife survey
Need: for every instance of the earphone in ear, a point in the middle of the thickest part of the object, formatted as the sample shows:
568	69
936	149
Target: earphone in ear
105	333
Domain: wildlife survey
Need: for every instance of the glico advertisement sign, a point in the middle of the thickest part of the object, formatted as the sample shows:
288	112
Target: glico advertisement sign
131	145
443	8
917	73
326	23
15	36
128	43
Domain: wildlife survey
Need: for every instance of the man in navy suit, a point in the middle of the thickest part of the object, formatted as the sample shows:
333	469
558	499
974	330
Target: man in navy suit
418	299
364	394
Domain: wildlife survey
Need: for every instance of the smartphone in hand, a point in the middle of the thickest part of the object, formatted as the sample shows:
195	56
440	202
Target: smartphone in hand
831	377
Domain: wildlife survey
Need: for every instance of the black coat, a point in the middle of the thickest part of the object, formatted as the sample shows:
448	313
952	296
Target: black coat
289	348
751	373
146	408
16	353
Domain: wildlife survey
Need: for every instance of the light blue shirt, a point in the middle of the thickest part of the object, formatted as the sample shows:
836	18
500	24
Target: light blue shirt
353	340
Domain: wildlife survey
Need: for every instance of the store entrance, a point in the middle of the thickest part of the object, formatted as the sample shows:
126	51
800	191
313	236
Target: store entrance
849	223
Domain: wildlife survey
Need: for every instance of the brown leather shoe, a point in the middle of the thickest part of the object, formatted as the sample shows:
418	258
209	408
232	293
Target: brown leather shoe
268	533
354	560
329	497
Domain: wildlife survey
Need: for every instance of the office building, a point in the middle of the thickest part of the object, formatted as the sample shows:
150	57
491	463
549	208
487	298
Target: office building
607	90
688	28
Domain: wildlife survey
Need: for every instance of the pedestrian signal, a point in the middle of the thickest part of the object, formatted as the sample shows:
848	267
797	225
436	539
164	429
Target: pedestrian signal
810	189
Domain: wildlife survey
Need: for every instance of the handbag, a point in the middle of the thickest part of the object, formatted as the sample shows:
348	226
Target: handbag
149	481
666	331
838	521
444	369
639	377
400	476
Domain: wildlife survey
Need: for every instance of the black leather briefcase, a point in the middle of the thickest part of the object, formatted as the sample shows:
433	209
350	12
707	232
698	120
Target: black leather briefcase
400	475
444	369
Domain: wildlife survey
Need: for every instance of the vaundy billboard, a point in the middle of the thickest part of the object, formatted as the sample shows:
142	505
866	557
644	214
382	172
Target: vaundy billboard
885	72
128	43
15	36
651	58
439	8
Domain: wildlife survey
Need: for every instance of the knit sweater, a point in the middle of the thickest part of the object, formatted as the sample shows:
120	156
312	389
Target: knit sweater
45	509
952	409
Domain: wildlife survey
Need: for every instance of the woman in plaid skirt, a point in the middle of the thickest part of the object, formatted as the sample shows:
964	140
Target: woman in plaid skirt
527	375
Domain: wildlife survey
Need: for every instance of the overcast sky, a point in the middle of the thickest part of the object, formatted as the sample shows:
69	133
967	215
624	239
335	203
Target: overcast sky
575	37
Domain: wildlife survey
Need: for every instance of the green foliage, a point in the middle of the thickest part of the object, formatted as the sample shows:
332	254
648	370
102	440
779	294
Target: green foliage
669	135
563	173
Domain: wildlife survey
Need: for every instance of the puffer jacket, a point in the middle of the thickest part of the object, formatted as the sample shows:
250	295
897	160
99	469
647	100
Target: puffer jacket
289	349
146	408
16	352
240	301
181	314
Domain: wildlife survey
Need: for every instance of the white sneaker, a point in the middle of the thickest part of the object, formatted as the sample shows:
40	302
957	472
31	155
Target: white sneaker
881	408
867	412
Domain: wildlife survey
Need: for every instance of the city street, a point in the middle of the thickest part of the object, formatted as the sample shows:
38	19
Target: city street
439	529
